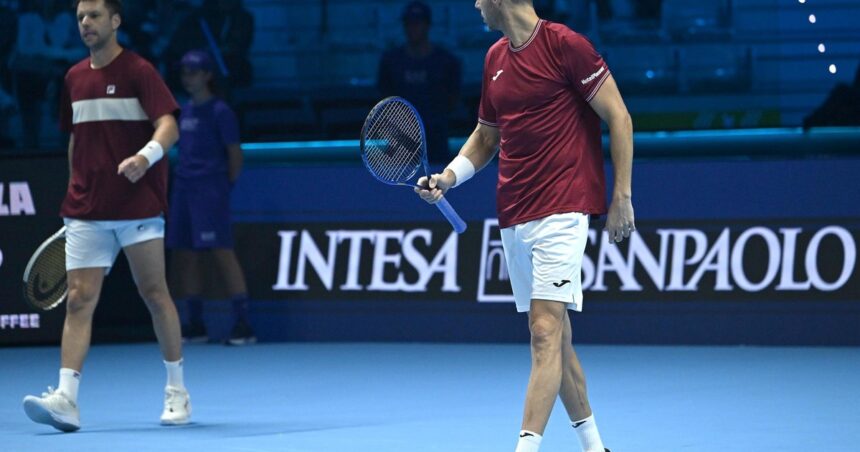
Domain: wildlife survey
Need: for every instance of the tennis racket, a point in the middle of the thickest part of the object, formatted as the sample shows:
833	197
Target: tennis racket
45	285
394	146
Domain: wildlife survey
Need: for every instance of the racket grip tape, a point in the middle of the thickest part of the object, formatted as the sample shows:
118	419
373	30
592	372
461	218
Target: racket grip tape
456	222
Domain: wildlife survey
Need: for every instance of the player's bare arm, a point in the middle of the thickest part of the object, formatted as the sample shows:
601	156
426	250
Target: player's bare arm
609	105
479	149
165	136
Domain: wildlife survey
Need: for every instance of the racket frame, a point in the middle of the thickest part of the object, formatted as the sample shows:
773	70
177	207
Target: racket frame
29	268
450	214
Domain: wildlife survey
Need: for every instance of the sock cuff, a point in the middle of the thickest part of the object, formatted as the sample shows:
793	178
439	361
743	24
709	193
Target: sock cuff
579	423
529	433
174	363
70	372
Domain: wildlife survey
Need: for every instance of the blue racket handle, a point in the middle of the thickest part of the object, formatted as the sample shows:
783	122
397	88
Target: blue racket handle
456	222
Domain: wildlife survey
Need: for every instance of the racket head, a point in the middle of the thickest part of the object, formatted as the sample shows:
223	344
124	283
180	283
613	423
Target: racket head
45	284
393	141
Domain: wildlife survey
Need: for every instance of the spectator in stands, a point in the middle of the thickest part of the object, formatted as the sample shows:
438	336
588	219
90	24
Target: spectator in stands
47	43
841	108
210	159
231	27
425	74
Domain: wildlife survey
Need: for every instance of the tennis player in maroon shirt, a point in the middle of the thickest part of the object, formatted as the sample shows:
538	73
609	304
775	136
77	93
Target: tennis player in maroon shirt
121	119
545	91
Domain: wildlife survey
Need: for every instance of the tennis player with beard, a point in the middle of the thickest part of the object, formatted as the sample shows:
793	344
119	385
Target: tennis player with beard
121	118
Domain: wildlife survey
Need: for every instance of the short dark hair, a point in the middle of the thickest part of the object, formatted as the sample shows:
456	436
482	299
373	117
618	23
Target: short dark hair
114	6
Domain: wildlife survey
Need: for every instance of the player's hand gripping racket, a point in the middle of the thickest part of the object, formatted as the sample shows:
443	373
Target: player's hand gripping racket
393	147
45	285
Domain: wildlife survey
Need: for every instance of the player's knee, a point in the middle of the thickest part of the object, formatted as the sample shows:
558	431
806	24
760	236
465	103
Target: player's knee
545	331
81	299
154	294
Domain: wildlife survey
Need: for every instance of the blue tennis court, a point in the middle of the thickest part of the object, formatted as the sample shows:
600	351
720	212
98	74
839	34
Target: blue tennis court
356	397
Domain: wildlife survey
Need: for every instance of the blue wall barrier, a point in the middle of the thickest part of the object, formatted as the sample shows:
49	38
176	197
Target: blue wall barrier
728	251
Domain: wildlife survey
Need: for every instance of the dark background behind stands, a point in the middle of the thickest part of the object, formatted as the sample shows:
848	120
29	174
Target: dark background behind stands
306	69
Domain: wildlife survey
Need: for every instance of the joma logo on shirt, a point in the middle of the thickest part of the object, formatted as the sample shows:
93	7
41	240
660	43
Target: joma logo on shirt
111	89
593	76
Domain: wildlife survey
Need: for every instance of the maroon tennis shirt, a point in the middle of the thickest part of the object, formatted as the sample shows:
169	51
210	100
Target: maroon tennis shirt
538	94
111	111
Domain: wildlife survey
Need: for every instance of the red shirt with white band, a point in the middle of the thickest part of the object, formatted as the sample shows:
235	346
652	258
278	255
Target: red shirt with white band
538	94
110	111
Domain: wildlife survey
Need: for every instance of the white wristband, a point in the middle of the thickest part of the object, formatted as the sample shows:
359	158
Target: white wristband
152	152
462	168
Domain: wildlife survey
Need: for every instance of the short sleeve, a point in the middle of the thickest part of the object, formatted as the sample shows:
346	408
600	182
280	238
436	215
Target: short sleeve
486	111
66	108
583	66
228	125
154	96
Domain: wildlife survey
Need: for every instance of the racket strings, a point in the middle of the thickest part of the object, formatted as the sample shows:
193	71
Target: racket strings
393	143
46	282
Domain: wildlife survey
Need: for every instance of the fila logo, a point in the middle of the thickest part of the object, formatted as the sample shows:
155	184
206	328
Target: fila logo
111	89
498	74
593	76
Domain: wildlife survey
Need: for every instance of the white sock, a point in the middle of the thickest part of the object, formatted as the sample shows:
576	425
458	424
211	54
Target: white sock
70	379
174	374
589	437
529	441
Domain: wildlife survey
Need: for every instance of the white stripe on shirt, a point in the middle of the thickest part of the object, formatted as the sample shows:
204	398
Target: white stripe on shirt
104	109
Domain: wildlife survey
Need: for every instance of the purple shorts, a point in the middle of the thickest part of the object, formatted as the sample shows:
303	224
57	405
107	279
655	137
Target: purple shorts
199	214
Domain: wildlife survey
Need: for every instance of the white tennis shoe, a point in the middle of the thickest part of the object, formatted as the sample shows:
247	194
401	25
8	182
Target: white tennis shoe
54	409
177	406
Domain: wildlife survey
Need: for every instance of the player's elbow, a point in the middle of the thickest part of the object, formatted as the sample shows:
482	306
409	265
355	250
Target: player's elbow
621	122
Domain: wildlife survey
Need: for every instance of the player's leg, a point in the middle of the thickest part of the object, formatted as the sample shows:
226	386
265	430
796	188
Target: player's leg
146	260
545	326
231	271
85	285
574	395
143	245
59	408
557	244
90	249
573	392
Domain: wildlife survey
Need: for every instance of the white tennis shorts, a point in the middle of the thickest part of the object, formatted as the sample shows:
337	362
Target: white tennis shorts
94	244
544	259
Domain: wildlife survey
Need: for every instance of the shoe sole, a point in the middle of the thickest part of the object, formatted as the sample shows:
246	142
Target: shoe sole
39	414
175	421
